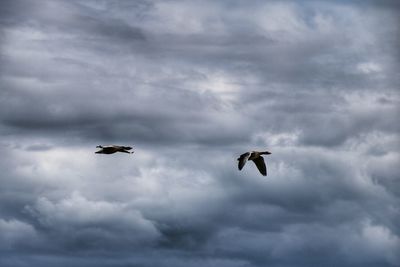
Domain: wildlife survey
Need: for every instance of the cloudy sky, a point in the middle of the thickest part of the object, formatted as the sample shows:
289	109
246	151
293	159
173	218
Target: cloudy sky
191	85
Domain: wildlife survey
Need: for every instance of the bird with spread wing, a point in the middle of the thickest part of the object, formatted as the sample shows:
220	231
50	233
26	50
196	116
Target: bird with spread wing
256	157
111	149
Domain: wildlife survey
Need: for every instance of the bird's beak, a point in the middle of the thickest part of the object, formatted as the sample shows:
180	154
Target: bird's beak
268	152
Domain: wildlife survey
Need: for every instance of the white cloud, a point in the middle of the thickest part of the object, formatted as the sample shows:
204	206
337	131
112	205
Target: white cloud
369	67
78	212
14	233
376	241
191	85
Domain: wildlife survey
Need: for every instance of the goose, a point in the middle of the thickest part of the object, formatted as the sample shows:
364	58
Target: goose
113	149
256	157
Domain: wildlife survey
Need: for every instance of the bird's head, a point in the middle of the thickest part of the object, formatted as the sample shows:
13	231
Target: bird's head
99	146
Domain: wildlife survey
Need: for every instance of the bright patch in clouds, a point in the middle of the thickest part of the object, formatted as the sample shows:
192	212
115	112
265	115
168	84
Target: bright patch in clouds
369	67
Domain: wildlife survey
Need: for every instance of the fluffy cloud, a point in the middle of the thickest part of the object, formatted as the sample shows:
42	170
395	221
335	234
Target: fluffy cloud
192	85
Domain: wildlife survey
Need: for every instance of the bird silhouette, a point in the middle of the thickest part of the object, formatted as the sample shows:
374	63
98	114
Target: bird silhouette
256	157
113	149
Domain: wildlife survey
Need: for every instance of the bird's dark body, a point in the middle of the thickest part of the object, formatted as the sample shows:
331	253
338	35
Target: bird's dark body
113	149
256	157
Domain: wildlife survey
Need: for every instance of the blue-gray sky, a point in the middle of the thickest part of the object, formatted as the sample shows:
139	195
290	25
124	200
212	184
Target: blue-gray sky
191	85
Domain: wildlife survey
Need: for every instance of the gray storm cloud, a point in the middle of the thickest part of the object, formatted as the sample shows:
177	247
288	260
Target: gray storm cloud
191	85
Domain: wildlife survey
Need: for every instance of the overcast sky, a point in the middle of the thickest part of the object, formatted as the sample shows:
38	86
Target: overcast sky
191	85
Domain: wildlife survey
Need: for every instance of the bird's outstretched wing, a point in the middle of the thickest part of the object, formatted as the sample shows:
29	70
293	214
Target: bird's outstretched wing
243	159
121	147
259	161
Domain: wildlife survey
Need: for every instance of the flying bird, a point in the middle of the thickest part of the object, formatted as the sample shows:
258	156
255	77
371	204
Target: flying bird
113	149
256	157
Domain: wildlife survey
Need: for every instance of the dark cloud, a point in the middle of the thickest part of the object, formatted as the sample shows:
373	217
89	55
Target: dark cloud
191	85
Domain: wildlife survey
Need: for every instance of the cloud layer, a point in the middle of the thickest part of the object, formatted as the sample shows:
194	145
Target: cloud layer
192	85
